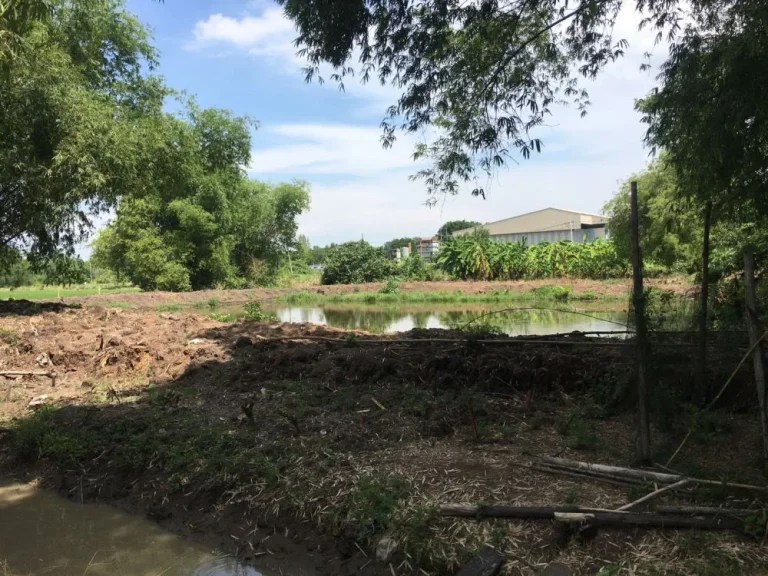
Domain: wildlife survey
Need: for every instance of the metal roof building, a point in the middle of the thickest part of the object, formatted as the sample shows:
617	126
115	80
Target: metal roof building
546	225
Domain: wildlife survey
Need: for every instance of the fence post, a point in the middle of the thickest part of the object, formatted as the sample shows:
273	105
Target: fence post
641	333
754	337
703	392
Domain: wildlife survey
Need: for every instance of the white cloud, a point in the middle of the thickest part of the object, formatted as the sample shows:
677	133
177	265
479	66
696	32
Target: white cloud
270	34
339	149
360	189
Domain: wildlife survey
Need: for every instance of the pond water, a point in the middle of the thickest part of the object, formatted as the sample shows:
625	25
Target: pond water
41	533
520	321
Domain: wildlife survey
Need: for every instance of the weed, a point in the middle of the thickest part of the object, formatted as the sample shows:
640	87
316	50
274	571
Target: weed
222	317
373	504
610	570
350	340
252	311
584	436
556	293
168	308
391	287
10	337
213	303
572	496
118	304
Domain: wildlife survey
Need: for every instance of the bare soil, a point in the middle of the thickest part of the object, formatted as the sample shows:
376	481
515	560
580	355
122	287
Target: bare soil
615	288
288	444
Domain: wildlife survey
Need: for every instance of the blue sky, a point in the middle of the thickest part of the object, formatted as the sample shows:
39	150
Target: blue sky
239	55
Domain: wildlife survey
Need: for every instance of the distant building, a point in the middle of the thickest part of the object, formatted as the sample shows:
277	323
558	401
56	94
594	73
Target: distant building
546	225
427	248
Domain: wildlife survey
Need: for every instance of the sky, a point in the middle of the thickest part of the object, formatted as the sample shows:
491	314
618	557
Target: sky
238	54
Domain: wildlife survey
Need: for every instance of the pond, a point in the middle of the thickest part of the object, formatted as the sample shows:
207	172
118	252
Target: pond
521	320
41	533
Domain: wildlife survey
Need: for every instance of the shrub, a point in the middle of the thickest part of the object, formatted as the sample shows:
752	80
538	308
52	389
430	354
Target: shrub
252	311
356	262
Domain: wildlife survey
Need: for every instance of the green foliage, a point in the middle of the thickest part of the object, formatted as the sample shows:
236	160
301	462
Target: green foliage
391	287
10	337
446	230
168	307
213	303
670	224
356	262
252	311
414	267
478	257
373	505
391	245
556	293
77	111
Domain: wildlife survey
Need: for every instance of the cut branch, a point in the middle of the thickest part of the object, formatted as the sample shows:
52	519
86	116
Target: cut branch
592	517
653	494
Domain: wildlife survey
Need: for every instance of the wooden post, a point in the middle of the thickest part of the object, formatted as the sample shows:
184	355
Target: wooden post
750	300
641	333
703	392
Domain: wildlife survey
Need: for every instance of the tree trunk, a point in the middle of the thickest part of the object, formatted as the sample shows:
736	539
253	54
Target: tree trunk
750	299
703	392
638	297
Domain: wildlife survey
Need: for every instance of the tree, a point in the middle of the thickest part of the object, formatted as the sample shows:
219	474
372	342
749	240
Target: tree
75	110
669	222
396	243
481	75
203	223
356	262
447	229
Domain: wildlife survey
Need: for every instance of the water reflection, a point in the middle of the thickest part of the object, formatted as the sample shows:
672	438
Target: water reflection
404	318
41	533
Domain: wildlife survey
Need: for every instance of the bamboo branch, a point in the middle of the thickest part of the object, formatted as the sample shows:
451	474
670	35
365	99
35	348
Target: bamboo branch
653	494
16	373
644	475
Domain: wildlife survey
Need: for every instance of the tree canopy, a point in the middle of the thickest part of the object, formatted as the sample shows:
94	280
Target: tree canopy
670	223
76	111
452	226
481	75
205	224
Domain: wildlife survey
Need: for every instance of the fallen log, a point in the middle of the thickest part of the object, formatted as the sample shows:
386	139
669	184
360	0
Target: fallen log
596	470
591	517
634	519
705	511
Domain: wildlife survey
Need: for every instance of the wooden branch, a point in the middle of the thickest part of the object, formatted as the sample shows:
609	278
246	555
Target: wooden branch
653	494
15	373
635	519
583	475
592	517
644	475
633	473
705	510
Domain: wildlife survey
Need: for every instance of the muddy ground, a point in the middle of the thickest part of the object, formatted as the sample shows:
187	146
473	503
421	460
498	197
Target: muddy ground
299	447
610	288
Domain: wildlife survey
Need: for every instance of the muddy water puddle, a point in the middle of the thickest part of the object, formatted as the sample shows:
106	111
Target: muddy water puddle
44	534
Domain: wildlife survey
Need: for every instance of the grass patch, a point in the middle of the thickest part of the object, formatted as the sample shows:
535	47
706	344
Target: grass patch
168	308
373	505
117	304
51	292
10	337
391	293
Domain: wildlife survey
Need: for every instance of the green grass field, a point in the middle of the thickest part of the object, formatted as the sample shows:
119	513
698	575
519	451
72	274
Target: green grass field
392	294
51	292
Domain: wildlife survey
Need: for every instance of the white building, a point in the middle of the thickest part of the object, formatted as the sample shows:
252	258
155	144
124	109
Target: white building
546	225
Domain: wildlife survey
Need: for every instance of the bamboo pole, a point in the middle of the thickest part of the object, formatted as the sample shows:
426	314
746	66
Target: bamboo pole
750	312
641	336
